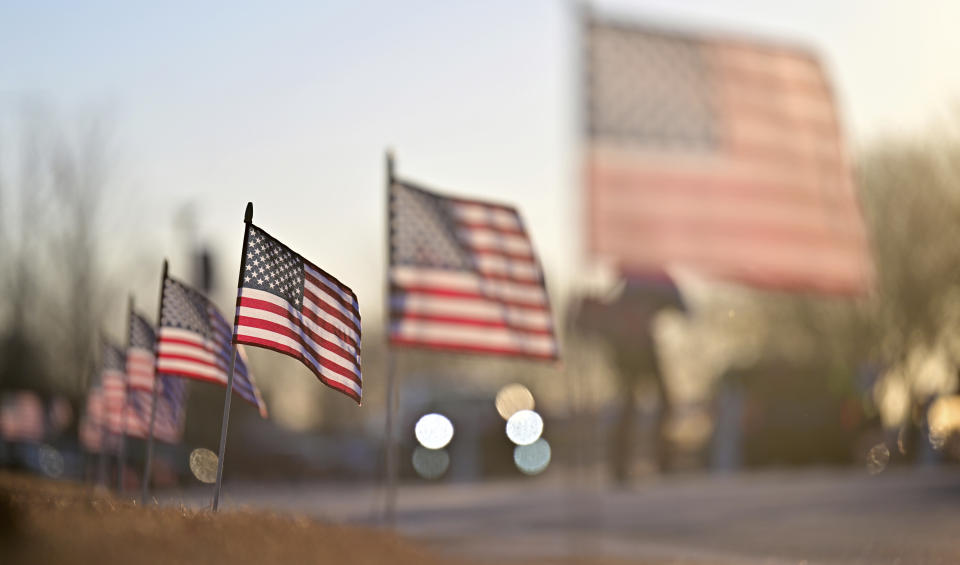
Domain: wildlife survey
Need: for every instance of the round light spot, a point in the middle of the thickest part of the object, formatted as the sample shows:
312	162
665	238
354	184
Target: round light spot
877	459
430	463
50	461
203	465
513	398
434	431
534	458
524	427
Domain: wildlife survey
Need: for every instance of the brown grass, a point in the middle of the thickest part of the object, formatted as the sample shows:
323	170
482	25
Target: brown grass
48	522
52	522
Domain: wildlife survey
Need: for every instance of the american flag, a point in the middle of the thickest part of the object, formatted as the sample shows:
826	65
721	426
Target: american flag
464	277
113	380
718	156
93	425
287	304
194	342
22	417
140	360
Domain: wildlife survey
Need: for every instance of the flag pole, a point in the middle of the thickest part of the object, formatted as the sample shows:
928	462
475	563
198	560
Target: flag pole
247	219
122	456
156	386
391	447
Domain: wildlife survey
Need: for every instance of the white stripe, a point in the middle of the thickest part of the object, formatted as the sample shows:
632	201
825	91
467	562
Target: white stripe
274	299
483	310
333	287
346	363
476	336
466	282
292	344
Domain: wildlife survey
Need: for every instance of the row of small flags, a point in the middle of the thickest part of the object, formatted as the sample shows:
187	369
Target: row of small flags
463	277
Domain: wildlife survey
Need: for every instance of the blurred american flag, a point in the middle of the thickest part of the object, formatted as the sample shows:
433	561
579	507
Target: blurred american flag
464	277
720	156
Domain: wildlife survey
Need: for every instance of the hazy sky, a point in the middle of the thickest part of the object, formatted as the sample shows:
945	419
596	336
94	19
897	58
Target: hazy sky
291	105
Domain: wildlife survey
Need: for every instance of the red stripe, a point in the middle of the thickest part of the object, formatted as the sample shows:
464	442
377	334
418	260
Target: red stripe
701	187
401	291
467	348
281	311
334	295
281	348
399	315
321	359
332	310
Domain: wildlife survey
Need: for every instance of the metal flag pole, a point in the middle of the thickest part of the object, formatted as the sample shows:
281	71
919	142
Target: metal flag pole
247	219
122	455
148	466
390	501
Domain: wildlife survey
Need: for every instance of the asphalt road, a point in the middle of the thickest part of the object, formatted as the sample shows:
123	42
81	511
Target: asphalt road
901	516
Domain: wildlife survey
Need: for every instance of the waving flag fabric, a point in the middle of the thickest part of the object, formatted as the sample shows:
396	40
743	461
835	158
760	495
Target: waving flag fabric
140	354
718	156
289	305
194	343
464	277
113	380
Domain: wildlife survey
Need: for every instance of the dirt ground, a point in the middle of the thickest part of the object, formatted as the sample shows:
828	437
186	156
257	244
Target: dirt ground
47	522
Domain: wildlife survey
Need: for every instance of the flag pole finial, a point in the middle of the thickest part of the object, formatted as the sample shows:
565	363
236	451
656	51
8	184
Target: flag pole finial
248	213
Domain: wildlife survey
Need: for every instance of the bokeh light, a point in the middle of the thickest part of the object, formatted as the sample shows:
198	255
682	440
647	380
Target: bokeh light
877	459
434	431
50	461
430	463
534	458
524	427
203	465
513	398
943	418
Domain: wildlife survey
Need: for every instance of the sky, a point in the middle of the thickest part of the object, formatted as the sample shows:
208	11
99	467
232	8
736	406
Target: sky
291	105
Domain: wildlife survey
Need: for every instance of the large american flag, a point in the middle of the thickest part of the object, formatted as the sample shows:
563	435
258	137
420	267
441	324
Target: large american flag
287	304
718	156
194	342
464	277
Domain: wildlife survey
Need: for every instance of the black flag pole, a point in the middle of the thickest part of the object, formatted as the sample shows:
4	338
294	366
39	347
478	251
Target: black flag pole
122	455
156	387
247	219
392	397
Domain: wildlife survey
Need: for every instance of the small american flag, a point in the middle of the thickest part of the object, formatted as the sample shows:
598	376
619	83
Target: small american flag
22	417
140	360
113	380
718	156
93	425
464	277
194	343
287	304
